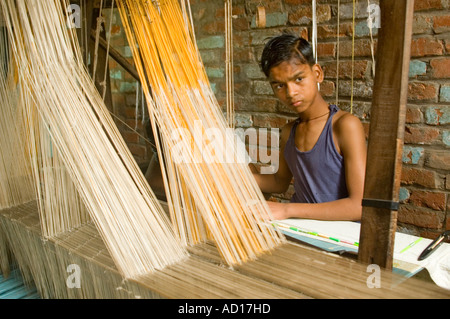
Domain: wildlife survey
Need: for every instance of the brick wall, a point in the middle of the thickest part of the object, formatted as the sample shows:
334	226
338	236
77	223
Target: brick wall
425	187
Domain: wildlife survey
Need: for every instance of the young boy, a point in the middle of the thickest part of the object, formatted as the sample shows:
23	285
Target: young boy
324	150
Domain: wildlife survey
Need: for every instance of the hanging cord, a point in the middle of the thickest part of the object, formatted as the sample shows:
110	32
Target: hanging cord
98	29
372	50
139	107
314	32
136	116
103	84
314	28
338	50
84	32
229	61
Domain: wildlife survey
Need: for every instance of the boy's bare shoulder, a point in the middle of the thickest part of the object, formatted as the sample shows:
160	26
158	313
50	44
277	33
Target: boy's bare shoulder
344	120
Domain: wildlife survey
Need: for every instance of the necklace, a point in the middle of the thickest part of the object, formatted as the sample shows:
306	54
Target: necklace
315	118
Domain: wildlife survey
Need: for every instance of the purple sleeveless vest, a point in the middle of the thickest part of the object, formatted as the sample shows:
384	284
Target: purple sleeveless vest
319	174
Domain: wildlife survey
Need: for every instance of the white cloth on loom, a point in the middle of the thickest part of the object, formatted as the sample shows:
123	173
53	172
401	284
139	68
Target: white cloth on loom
437	264
439	268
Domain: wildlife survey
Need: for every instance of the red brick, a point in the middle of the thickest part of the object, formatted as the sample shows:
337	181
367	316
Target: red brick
326	50
214	27
433	200
118	99
303	14
441	67
297	2
421	135
441	24
362	48
138	150
243	55
130	137
256	104
426	47
418	176
330	31
117	41
269	121
240	24
420	216
128	112
345	69
447	46
422	91
240	88
133	123
413	115
439	159
327	88
420	5
421	24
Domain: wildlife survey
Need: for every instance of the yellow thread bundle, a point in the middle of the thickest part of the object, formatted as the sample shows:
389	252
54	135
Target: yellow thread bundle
225	194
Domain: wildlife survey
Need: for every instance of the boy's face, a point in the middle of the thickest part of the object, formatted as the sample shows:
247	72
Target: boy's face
295	83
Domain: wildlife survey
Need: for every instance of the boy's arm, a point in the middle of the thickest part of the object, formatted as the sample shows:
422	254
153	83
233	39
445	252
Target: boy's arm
280	180
352	144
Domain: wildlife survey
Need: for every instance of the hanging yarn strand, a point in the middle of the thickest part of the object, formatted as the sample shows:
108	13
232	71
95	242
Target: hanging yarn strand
229	61
353	55
338	50
371	25
314	33
314	29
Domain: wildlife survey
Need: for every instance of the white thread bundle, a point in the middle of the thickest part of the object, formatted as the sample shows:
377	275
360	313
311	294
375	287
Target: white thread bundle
129	218
16	185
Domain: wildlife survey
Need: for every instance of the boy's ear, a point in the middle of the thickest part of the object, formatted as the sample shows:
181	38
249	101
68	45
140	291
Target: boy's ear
318	72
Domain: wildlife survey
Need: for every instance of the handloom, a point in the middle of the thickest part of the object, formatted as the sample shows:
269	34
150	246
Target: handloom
291	271
128	248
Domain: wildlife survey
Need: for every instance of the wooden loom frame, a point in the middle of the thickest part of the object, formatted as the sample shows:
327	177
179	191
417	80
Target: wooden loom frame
379	219
367	237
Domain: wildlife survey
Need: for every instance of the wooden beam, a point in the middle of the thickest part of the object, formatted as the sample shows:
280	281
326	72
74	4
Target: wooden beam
113	53
387	124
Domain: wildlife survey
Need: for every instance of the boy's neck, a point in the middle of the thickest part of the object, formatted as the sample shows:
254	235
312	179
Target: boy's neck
318	109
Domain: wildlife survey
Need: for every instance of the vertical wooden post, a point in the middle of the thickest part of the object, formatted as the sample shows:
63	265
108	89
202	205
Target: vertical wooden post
387	123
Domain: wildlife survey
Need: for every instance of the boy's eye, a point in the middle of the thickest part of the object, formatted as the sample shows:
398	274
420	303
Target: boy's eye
277	86
299	79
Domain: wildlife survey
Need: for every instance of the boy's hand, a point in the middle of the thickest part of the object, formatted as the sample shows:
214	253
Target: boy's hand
278	210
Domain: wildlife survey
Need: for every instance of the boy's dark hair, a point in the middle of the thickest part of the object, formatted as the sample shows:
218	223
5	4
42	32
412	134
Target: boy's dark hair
284	48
